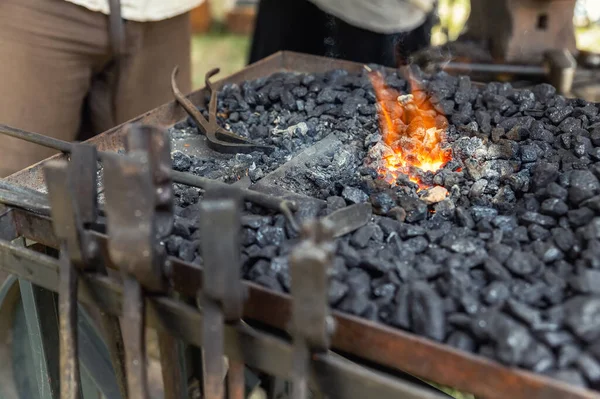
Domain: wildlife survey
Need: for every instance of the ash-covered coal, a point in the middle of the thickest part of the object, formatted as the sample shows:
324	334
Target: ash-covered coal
505	262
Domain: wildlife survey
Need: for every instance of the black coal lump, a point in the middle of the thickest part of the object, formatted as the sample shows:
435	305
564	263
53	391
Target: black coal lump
538	358
496	293
582	316
511	339
555	339
427	311
584	185
187	250
523	263
568	355
586	282
256	221
270	235
354	195
181	162
461	340
570	376
336	292
590	368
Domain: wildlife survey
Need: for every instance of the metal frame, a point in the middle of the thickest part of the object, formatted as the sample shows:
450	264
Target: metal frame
390	348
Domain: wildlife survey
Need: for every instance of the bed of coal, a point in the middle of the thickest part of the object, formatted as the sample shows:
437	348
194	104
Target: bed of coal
496	251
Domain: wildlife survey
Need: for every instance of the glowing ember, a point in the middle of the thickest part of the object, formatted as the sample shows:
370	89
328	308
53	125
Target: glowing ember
412	131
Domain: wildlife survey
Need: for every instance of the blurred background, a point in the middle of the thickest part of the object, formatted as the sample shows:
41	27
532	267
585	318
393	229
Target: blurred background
223	29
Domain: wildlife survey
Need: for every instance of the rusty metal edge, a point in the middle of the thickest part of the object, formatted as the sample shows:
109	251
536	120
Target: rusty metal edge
389	347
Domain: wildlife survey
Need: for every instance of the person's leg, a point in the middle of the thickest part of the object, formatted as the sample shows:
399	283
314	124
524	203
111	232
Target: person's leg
293	25
153	50
46	47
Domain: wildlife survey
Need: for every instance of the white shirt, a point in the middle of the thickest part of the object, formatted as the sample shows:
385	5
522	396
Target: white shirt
143	10
381	16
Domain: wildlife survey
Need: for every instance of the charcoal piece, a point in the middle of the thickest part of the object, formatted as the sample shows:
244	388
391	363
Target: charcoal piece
538	358
556	191
469	302
531	204
363	235
181	162
497	134
189	196
524	313
397	213
354	195
400	317
496	271
523	263
327	95
389	225
269	281
582	316
505	223
563	238
569	125
547	252
496	293
582	146
558	114
510	338
270	235
586	282
592	230
338	269
461	340
484	121
464	218
460	320
584	185
483	213
427	269
355	303
417	244
544	173
580	217
351	256
500	252
537	218
427	311
172	244
463	245
592	203
569	376
554	207
382	202
334	203
337	290
248	237
359	281
555	339
416	209
537	232
478	188
182	227
589	367
256	221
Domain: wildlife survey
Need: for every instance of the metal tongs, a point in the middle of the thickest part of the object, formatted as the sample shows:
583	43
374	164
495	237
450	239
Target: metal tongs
218	138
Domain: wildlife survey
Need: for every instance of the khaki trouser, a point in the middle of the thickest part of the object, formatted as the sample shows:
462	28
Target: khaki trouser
57	74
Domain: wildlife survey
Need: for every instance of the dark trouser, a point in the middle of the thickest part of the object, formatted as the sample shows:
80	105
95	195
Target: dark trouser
299	25
57	74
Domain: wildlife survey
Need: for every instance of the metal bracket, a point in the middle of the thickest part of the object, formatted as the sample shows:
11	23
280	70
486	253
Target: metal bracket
311	324
222	293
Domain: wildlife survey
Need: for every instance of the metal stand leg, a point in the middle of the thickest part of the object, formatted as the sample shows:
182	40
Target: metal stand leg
42	323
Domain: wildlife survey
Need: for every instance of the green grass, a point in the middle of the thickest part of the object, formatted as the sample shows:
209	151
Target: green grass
216	49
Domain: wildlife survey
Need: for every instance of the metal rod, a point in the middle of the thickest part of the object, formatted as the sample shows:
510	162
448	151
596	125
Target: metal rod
512	69
188	179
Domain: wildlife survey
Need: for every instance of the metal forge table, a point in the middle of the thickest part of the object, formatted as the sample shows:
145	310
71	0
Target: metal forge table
371	346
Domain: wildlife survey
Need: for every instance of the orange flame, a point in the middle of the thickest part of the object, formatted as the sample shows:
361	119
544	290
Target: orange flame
413	130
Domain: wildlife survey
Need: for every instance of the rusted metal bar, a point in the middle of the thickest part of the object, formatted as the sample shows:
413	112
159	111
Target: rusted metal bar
311	323
222	294
72	193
